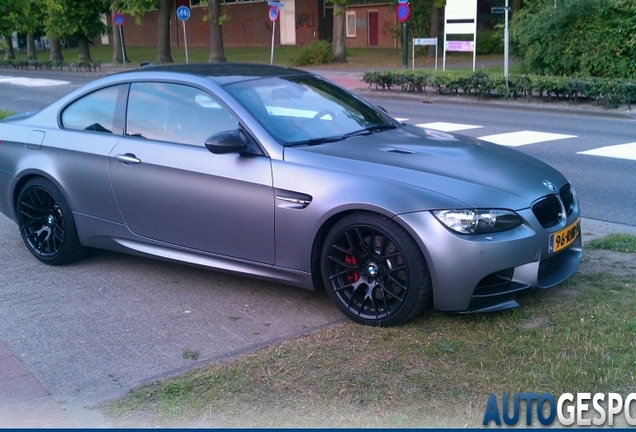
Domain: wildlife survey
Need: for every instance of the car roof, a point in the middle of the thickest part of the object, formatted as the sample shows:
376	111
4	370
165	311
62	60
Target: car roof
225	73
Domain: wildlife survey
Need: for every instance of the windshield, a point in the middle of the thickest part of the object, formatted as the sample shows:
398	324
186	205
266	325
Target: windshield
307	110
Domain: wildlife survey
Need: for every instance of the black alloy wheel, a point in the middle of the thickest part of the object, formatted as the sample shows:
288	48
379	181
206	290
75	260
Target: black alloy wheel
46	224
374	271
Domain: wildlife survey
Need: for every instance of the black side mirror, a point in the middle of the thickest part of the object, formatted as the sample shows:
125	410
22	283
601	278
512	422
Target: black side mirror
226	142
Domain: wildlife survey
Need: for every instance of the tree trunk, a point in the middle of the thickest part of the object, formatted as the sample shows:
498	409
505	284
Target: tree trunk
516	5
56	49
338	45
118	56
163	33
217	53
9	54
434	25
31	47
84	51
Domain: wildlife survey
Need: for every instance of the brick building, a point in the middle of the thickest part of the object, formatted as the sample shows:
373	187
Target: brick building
368	24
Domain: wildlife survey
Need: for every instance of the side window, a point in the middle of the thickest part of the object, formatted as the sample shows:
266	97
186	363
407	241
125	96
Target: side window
175	113
100	111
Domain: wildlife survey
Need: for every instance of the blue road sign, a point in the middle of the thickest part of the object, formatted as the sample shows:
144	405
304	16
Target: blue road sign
403	12
183	13
118	19
273	13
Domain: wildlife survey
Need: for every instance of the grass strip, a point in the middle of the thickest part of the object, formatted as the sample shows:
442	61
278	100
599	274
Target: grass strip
437	371
4	113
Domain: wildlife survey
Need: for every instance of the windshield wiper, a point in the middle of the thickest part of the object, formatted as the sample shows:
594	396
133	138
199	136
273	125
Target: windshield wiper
316	141
371	129
366	131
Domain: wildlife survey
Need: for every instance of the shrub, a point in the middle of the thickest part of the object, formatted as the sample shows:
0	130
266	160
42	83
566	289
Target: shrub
490	42
314	53
610	92
579	37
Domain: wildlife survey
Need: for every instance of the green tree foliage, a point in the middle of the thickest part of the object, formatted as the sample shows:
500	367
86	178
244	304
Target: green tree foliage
30	22
420	24
577	37
78	20
10	11
135	8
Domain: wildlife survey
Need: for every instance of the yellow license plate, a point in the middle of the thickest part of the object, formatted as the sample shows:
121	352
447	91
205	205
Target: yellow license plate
564	238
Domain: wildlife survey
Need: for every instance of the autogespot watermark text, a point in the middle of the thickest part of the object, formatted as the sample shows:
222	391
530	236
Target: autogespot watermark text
579	409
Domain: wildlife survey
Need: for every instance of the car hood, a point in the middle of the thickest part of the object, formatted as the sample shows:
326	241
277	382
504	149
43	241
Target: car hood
478	173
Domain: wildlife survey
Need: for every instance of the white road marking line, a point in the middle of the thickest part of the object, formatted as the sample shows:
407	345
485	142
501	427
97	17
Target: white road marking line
31	82
448	127
620	151
400	119
515	139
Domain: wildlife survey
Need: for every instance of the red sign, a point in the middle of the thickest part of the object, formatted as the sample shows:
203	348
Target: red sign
403	11
273	13
118	19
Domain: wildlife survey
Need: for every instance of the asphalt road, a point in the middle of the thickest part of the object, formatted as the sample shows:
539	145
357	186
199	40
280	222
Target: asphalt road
604	185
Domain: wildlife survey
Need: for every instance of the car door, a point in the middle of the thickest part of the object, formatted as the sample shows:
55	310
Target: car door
170	188
90	127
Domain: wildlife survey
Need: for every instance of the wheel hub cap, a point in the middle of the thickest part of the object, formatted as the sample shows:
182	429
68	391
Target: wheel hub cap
372	270
50	220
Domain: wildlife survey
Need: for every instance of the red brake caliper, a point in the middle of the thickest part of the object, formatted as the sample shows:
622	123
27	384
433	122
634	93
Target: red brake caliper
354	275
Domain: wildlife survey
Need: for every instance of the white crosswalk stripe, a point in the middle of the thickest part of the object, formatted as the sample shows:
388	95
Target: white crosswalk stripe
520	138
515	139
448	127
31	82
620	151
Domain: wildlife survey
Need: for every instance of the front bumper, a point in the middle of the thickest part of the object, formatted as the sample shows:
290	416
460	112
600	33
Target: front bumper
481	273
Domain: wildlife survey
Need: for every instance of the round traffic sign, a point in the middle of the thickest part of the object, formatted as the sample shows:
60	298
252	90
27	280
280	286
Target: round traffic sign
119	19
403	12
273	13
183	13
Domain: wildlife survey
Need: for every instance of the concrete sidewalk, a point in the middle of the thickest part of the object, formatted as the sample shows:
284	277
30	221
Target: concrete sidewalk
24	403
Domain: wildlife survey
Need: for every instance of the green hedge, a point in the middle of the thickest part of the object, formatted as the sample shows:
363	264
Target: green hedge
602	91
51	65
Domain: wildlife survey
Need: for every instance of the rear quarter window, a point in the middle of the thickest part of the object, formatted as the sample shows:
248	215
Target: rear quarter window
100	111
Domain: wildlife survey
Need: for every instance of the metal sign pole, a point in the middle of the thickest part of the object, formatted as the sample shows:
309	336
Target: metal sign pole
413	50
271	57
405	44
274	11
183	13
506	47
185	41
121	39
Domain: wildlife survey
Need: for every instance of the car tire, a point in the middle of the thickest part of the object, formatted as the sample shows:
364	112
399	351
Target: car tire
374	271
46	224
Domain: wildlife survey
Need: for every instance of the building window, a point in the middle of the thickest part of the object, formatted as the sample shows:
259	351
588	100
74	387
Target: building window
351	24
195	3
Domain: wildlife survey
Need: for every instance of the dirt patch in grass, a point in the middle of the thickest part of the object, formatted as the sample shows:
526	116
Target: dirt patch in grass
620	264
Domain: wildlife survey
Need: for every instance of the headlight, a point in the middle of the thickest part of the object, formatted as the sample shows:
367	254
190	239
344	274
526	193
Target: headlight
478	221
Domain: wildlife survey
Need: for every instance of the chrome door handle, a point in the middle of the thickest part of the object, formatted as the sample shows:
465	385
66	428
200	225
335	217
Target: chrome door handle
128	159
